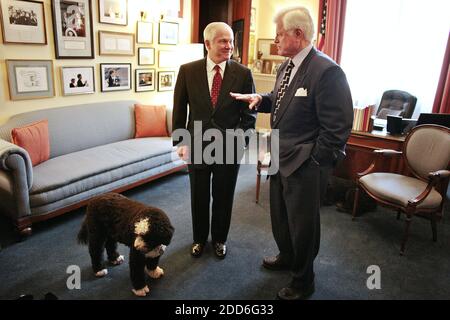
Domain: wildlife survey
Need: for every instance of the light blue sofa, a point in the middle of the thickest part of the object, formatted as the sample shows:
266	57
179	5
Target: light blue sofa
92	151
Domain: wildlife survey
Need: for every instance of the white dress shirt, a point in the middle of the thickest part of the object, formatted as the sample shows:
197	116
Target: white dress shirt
211	72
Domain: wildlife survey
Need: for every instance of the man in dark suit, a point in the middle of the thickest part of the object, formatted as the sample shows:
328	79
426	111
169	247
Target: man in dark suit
204	86
311	116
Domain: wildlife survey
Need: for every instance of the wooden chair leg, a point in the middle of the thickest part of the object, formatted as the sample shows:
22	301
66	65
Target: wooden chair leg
406	235
258	180
434	227
355	202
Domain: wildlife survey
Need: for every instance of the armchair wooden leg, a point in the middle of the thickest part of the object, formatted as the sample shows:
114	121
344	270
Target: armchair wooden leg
434	227
258	180
406	235
355	202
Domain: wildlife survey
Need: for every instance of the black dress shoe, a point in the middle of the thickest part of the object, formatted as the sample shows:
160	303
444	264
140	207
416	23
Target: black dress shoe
220	249
292	293
275	263
197	249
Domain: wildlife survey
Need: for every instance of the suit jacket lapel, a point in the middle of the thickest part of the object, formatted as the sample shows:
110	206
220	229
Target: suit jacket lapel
227	82
298	78
203	85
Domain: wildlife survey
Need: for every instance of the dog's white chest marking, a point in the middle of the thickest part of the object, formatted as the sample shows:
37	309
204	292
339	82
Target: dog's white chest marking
203	311
142	226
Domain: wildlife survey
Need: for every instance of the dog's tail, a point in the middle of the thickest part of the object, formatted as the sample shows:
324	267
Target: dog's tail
83	233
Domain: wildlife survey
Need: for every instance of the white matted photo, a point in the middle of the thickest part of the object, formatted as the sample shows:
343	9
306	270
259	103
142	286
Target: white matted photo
115	77
168	32
72	29
145	80
30	79
146	56
23	22
77	80
144	31
113	12
116	43
166	80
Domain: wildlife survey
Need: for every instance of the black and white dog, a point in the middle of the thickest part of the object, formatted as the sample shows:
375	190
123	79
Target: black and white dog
112	218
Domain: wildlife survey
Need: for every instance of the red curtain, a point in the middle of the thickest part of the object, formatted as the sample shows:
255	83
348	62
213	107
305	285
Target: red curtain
442	99
335	23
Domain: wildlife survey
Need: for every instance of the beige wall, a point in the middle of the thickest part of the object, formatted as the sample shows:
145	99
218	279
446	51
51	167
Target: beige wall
47	52
266	9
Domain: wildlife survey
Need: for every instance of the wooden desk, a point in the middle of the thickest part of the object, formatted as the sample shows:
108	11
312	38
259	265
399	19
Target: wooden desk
360	155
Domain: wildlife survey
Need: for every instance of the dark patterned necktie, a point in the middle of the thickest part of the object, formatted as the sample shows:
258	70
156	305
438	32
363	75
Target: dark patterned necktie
284	84
217	83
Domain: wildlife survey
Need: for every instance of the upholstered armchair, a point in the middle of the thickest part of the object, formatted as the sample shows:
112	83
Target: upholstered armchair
426	152
396	103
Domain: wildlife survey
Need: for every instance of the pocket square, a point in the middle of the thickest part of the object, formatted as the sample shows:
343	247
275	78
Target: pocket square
301	92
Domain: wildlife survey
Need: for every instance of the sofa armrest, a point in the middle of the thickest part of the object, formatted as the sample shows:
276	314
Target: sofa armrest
16	159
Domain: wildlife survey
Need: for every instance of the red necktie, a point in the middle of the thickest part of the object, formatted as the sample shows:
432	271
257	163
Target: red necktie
217	83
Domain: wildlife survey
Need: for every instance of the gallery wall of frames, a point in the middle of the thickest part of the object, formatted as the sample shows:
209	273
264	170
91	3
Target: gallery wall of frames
61	52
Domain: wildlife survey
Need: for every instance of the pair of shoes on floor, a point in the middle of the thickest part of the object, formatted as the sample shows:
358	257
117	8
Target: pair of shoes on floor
295	293
276	263
220	249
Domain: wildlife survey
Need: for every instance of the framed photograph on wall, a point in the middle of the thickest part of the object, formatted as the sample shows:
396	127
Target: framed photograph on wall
146	56
115	77
116	43
72	29
77	80
168	32
145	80
30	79
113	12
268	49
166	80
23	22
144	31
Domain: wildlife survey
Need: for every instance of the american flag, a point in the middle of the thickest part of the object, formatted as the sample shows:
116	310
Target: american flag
323	24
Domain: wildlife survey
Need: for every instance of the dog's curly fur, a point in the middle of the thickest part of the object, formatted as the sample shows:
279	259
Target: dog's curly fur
112	218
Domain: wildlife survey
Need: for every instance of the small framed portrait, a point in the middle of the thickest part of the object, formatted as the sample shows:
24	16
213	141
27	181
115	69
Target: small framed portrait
166	80
168	32
145	80
144	32
115	77
23	22
267	66
116	43
113	12
30	79
77	80
146	56
167	59
72	29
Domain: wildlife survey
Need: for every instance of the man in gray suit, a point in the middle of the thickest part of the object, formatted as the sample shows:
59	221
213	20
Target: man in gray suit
204	86
311	111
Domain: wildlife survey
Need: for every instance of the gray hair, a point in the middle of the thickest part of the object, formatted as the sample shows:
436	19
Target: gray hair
211	29
296	18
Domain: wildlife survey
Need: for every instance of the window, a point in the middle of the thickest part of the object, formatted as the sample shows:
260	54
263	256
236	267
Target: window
395	44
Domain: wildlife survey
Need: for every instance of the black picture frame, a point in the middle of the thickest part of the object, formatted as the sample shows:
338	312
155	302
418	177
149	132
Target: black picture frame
120	77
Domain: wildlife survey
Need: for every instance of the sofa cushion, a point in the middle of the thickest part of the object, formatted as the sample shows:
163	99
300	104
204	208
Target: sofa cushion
34	139
70	174
150	121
